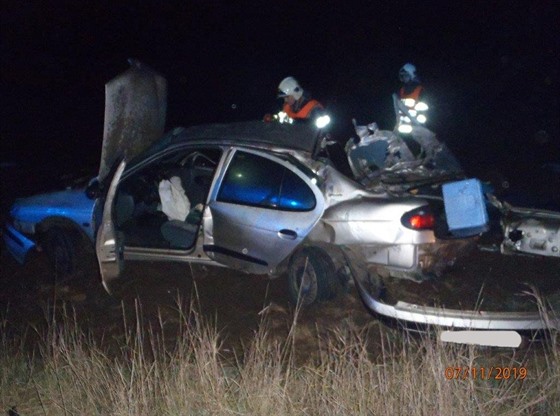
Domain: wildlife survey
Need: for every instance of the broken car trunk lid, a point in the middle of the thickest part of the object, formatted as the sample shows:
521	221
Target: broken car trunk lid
135	112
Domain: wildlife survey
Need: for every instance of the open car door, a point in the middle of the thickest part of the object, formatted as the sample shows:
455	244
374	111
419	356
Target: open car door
135	112
107	245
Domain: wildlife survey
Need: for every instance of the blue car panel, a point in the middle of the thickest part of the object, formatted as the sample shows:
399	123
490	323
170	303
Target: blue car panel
27	213
18	245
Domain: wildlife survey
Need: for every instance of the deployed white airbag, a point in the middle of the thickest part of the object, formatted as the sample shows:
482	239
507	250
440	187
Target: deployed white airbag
174	202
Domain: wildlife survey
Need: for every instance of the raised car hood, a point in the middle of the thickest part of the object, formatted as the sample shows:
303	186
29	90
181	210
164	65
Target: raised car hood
135	111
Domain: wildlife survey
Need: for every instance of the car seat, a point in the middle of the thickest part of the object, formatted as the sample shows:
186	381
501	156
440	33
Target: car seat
182	234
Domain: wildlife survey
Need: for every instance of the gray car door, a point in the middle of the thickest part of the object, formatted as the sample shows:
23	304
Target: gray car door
262	209
108	245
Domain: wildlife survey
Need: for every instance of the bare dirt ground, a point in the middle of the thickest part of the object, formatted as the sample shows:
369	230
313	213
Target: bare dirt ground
239	304
162	293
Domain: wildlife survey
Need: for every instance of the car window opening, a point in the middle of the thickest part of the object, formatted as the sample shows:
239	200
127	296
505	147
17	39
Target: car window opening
161	205
260	182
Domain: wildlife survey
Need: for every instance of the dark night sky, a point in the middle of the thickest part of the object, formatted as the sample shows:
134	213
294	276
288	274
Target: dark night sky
491	68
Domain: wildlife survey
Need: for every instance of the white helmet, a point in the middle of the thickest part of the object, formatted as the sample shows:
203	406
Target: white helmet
290	86
407	72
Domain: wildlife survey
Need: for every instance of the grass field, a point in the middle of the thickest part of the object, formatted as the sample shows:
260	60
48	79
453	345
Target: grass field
65	370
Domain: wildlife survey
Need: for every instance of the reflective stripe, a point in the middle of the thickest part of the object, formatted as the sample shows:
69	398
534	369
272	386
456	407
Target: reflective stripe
409	102
421	106
416	108
405	128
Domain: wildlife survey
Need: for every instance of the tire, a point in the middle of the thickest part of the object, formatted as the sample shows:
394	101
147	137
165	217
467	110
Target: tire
62	247
314	268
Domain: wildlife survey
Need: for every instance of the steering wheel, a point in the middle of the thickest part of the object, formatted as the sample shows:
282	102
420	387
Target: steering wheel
190	160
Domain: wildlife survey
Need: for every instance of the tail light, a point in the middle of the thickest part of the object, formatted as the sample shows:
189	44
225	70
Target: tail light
419	219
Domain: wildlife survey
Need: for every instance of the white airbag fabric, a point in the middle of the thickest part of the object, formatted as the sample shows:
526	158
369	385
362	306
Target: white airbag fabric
174	202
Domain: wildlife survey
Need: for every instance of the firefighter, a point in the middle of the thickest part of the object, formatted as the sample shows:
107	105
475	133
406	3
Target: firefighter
298	105
409	105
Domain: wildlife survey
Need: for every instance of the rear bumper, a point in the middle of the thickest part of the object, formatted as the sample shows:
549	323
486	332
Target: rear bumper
18	245
370	287
370	291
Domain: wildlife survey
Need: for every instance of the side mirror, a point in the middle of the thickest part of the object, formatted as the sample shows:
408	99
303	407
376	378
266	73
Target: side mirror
93	189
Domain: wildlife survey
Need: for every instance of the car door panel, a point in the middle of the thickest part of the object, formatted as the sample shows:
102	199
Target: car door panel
258	238
108	244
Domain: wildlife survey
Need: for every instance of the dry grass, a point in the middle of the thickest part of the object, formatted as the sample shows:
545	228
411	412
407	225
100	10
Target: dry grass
148	373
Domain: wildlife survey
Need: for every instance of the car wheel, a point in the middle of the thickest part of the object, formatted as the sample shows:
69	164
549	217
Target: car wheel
61	246
311	277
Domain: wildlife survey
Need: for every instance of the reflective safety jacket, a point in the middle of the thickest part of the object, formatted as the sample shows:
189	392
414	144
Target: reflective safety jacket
416	109
306	110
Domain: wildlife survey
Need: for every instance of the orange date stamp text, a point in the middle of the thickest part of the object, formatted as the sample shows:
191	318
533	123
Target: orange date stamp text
485	373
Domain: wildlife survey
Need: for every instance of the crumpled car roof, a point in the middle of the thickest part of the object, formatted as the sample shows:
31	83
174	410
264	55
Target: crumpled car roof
291	136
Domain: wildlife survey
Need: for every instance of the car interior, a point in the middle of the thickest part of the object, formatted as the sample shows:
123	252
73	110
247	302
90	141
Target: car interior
138	214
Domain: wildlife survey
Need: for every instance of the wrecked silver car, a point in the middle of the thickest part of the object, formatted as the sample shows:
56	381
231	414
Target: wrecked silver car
255	197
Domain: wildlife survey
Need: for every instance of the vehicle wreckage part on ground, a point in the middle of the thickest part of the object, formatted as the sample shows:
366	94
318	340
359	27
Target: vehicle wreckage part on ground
452	318
370	287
